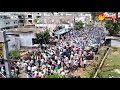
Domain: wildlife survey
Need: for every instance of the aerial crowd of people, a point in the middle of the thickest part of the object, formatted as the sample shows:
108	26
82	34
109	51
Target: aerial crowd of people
62	56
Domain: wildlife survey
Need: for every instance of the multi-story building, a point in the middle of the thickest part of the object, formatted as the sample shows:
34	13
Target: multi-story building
84	18
8	21
19	15
21	19
31	18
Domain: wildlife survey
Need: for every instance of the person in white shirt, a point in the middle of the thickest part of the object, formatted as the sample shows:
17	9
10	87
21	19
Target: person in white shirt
66	58
32	61
35	73
12	73
29	68
25	66
33	68
52	71
40	73
42	60
85	62
2	70
29	75
18	63
71	56
58	62
63	73
55	57
44	71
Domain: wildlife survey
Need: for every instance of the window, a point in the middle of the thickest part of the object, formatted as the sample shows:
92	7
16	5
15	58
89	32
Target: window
30	21
38	16
7	22
29	16
21	21
20	17
15	22
1	17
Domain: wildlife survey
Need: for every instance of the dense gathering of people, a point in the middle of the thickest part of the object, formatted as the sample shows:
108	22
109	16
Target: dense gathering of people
68	53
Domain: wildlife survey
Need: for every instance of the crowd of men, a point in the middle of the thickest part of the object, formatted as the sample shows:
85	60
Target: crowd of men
63	56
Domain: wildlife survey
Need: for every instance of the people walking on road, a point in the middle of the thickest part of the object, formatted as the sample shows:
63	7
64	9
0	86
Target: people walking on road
72	51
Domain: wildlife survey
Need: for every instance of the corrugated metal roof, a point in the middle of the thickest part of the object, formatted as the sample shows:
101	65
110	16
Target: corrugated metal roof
61	31
112	37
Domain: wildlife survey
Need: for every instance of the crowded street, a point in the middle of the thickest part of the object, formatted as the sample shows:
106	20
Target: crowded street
62	56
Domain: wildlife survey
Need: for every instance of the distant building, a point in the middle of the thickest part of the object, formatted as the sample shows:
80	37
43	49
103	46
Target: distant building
8	21
14	41
85	18
30	18
25	35
21	19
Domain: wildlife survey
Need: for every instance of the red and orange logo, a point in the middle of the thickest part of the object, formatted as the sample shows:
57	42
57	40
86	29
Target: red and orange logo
101	17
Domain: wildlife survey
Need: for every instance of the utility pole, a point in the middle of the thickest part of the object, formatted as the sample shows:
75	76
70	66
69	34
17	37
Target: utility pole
5	55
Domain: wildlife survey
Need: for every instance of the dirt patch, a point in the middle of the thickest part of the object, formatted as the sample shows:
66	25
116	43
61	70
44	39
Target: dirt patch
78	72
116	53
117	70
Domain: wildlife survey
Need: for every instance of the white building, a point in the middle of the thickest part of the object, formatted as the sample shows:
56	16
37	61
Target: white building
85	18
31	16
26	35
8	21
14	43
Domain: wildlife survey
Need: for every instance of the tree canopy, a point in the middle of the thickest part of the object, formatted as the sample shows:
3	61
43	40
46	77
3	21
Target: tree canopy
37	21
112	28
14	54
79	25
43	37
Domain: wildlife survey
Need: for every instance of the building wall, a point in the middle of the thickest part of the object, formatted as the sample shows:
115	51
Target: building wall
26	39
4	23
33	14
86	18
115	43
57	19
14	42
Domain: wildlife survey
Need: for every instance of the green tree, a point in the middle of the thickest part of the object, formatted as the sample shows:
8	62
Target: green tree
43	37
37	21
14	54
112	28
79	25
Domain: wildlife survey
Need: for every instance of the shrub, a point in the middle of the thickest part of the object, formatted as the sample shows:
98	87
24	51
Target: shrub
14	54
